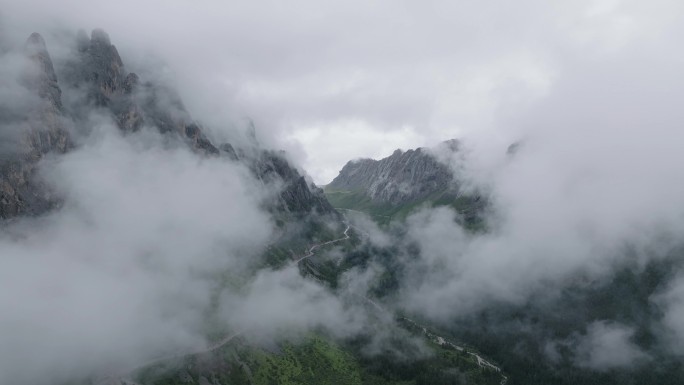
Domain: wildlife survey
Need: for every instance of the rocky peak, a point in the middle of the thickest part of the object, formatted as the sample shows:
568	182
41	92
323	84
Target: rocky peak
296	196
45	82
99	36
82	40
104	66
452	145
36	49
400	178
41	131
131	102
97	69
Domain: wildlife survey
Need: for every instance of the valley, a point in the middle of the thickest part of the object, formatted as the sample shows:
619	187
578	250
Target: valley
345	193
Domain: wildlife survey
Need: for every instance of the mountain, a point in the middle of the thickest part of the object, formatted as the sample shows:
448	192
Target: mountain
392	187
63	97
401	178
38	128
99	76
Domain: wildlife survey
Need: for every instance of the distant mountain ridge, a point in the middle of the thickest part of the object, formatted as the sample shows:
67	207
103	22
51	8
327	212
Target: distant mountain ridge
394	186
400	178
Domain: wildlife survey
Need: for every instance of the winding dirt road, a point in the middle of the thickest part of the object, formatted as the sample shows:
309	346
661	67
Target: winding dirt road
312	249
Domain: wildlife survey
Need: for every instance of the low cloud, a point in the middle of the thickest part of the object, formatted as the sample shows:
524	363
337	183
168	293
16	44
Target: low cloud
594	186
671	301
607	346
18	100
281	303
124	271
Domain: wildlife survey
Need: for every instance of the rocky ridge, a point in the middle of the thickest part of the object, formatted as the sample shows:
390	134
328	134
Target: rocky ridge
42	130
97	76
403	177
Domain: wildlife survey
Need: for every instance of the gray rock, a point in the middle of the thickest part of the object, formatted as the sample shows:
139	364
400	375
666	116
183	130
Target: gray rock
296	194
398	179
42	131
98	70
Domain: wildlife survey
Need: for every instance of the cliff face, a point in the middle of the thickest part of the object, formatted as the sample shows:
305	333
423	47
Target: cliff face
398	179
37	131
391	188
99	73
99	81
296	194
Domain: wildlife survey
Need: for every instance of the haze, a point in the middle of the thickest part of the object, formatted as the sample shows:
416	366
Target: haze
590	90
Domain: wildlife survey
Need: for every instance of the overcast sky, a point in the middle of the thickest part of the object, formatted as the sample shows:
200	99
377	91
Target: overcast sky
339	80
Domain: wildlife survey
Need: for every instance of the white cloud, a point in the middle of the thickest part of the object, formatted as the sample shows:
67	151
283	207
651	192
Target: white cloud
593	88
444	69
608	346
125	270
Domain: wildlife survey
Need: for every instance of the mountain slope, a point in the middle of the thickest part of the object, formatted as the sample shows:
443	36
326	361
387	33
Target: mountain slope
97	80
392	187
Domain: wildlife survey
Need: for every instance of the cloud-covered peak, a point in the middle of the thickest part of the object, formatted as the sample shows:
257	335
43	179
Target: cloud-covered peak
99	36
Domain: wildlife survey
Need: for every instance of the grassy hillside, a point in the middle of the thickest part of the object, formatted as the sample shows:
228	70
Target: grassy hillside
318	360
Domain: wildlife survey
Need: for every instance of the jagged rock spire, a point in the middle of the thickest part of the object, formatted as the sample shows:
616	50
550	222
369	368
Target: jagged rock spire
46	80
97	71
36	49
43	132
104	65
99	36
